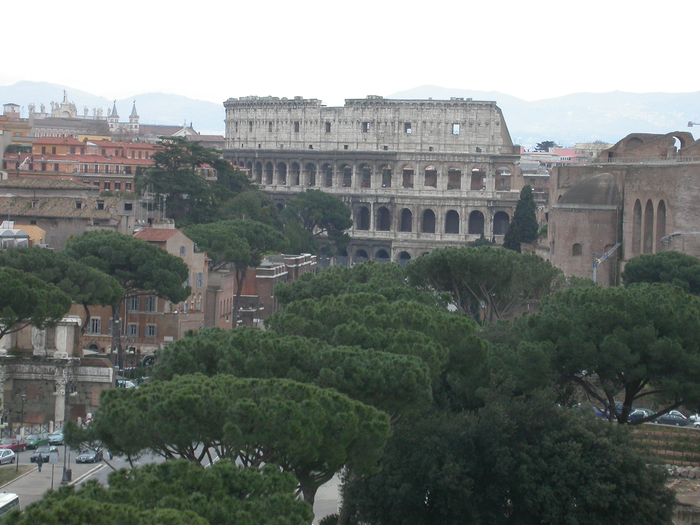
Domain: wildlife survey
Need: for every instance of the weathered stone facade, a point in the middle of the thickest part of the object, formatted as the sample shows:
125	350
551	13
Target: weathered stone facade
642	193
417	174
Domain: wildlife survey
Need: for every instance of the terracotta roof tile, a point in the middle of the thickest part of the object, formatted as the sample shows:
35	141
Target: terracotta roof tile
59	207
155	234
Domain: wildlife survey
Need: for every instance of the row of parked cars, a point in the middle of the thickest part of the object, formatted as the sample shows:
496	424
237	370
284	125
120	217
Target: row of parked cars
32	441
674	417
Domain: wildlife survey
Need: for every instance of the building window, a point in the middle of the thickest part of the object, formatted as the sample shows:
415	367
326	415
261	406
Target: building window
407	128
365	127
35	204
128	186
269	127
132	330
183	250
576	250
200	279
100	205
72	150
151	303
328	127
95	326
296	127
55	167
455	129
128	206
133	303
53	151
250	125
78	205
151	330
43	149
43	166
108	186
117	186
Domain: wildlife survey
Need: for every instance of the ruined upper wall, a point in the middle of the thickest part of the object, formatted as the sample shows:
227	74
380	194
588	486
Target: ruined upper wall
371	124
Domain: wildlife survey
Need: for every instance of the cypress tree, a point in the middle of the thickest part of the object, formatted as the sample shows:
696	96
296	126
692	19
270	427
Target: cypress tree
523	227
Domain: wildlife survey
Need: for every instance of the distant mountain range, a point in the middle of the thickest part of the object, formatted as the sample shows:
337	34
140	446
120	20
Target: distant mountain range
580	117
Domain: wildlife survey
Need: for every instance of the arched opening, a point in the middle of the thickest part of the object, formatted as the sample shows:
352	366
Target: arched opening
648	228
500	223
249	167
327	171
637	229
362	218
677	143
476	223
404	257
258	172
383	220
295	173
406	220
430	177
269	172
360	256
576	250
279	206
366	175
386	176
347	175
281	173
478	181
407	177
382	256
454	179
428	222
660	225
342	257
310	172
503	179
452	222
634	142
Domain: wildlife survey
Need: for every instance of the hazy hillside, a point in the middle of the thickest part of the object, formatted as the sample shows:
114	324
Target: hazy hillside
581	117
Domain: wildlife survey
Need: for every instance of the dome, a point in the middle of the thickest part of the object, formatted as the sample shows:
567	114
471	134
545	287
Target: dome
597	190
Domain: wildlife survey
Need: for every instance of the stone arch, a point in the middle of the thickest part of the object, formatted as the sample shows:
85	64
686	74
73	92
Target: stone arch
258	172
382	256
281	173
648	245
406	220
452	222
476	223
428	225
327	171
295	173
478	178
269	172
576	250
660	224
346	172
404	257
93	347
279	206
310	172
454	178
633	143
430	176
407	175
360	256
362	218
383	219
386	176
637	229
500	223
365	171
249	167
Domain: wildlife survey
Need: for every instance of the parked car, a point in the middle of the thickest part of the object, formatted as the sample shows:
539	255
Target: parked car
6	456
44	452
640	413
90	456
678	420
56	438
15	445
37	440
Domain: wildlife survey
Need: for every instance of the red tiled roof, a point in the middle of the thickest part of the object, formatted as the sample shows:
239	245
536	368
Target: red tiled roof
155	234
59	140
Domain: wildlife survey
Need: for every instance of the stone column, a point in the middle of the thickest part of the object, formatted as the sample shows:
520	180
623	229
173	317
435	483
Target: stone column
60	380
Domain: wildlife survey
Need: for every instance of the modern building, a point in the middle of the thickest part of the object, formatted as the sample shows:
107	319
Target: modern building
417	174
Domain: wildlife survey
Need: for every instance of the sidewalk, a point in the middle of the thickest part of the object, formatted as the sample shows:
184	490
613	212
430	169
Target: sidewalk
32	486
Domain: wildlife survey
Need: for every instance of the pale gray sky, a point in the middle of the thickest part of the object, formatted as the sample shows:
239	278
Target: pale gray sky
333	51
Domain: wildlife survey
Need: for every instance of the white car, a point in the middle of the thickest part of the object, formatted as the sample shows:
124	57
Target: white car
6	456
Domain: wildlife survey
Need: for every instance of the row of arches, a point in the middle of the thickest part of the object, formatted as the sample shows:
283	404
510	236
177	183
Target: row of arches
427	222
648	227
369	175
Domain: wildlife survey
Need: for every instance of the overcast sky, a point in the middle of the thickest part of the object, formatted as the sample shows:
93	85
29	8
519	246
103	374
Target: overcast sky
337	50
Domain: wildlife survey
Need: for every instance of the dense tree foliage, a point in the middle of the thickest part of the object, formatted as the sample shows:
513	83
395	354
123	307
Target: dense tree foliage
314	215
83	284
674	268
445	341
488	283
241	244
523	228
629	342
388	280
545	145
396	384
177	492
251	205
180	190
139	267
308	431
26	300
517	460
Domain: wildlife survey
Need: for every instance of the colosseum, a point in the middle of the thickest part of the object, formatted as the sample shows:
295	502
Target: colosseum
417	174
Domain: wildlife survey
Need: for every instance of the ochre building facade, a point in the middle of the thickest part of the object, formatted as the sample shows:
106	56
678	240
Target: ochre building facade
417	174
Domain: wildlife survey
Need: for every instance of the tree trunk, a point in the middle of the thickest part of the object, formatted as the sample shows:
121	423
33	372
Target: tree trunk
116	332
240	279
